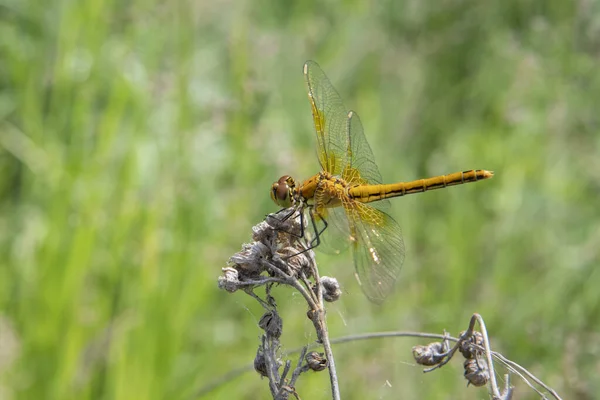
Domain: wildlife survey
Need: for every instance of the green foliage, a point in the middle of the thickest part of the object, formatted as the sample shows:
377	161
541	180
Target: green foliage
138	142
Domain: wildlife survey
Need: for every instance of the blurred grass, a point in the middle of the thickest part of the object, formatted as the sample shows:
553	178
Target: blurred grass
138	141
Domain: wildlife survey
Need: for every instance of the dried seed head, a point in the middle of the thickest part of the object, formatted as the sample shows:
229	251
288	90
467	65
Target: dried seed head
263	232
431	354
296	261
284	227
248	261
476	371
260	363
331	289
473	346
286	220
271	323
316	361
229	280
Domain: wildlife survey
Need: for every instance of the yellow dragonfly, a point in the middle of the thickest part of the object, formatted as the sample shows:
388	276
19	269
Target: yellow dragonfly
339	196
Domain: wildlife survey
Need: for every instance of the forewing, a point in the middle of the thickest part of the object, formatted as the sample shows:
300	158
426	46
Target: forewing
361	167
376	241
330	118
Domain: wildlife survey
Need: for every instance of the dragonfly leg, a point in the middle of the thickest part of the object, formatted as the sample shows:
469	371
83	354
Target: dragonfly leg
316	241
285	218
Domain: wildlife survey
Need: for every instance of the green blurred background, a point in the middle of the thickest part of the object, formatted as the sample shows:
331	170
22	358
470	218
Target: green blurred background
139	139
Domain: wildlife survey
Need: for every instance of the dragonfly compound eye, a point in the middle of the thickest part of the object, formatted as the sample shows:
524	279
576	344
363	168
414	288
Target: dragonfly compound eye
280	191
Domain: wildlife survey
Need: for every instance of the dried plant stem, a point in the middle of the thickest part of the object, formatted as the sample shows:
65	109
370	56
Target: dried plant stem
324	339
511	365
495	392
317	314
320	323
280	256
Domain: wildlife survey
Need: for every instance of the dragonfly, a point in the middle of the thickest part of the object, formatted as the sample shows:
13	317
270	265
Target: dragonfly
348	197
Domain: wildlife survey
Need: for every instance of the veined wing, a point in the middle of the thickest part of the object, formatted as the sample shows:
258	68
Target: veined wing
334	240
376	241
361	167
330	118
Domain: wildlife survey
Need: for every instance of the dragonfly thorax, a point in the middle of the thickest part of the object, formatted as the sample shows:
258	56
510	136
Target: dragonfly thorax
283	191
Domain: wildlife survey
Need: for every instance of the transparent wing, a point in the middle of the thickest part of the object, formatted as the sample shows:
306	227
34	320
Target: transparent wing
334	239
378	249
330	118
361	167
343	150
341	144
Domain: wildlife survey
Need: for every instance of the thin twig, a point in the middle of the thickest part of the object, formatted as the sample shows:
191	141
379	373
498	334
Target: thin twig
272	367
233	374
495	392
524	374
323	335
282	386
299	369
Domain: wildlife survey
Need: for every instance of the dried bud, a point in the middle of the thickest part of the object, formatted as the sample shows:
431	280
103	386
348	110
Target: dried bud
271	323
316	361
229	281
248	261
312	315
431	354
260	363
476	371
296	260
285	224
263	232
331	289
471	347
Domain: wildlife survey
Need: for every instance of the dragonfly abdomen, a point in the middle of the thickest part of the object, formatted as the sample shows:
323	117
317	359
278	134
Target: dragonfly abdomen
370	193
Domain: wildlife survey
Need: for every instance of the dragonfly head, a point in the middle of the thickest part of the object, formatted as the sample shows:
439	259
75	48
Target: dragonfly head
282	191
